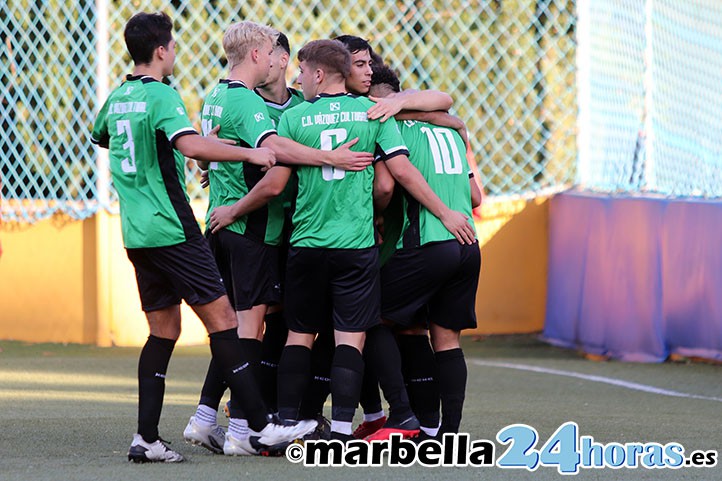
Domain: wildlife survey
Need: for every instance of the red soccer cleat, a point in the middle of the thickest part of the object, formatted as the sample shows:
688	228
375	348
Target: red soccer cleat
367	428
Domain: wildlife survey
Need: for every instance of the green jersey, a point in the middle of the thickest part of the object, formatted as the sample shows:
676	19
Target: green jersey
438	153
334	208
275	111
244	118
139	123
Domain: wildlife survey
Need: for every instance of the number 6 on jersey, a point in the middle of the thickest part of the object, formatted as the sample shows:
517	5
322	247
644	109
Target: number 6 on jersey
327	143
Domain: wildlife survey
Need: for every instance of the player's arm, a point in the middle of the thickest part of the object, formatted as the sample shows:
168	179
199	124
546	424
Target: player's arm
437	117
477	189
477	195
425	100
209	150
342	157
271	185
100	136
413	181
383	186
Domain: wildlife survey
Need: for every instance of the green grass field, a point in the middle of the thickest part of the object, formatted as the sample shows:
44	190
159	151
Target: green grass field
68	412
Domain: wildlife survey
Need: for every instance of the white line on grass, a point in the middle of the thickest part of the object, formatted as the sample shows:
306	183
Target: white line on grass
588	377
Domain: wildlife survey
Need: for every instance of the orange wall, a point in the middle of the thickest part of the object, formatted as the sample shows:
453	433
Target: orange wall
70	281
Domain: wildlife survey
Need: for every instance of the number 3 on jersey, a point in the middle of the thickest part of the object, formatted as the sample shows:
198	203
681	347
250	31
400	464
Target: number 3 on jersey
206	127
127	165
330	139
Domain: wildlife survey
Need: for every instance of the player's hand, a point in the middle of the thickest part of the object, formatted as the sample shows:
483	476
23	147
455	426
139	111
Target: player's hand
457	223
221	217
342	157
205	179
385	108
262	156
213	134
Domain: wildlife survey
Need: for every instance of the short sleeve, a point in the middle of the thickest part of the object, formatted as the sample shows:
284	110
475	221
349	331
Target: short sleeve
100	135
169	114
389	141
250	118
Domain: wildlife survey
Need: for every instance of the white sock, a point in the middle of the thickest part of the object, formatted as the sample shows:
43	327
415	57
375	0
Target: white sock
205	415
238	428
373	416
430	431
341	427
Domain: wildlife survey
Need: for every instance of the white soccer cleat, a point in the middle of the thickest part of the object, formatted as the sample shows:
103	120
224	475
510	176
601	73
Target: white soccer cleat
156	452
278	432
238	447
210	437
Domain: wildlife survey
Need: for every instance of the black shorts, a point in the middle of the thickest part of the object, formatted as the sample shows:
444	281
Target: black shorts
166	275
433	283
249	269
332	286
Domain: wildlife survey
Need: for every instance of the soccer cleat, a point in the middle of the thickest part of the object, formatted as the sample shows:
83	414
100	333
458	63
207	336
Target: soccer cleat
234	446
156	452
210	437
408	428
367	428
279	431
322	431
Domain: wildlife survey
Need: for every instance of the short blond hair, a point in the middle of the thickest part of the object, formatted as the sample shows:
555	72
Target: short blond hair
242	37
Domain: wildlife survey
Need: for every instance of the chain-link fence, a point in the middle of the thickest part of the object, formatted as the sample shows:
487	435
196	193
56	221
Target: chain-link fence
510	65
650	98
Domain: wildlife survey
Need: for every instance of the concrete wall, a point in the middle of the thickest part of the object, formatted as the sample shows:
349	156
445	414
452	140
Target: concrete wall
70	281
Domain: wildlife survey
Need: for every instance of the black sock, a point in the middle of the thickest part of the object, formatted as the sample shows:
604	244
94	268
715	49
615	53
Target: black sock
152	366
213	386
382	357
293	374
452	388
236	365
370	396
347	373
274	338
320	386
252	348
419	368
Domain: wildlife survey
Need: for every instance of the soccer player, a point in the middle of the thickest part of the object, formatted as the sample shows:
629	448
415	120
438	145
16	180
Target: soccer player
246	250
278	97
145	126
333	261
383	360
432	277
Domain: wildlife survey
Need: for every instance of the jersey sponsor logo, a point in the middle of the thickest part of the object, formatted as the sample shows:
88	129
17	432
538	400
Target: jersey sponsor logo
180	110
129	90
335	106
126	107
212	110
331	119
259	116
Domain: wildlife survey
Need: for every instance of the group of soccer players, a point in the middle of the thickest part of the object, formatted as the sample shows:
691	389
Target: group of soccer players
300	187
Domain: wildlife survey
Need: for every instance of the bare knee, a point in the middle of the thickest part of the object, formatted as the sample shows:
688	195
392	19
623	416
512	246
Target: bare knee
165	323
217	315
443	339
300	339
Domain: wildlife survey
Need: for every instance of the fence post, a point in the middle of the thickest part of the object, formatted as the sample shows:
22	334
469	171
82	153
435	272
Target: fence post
102	220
